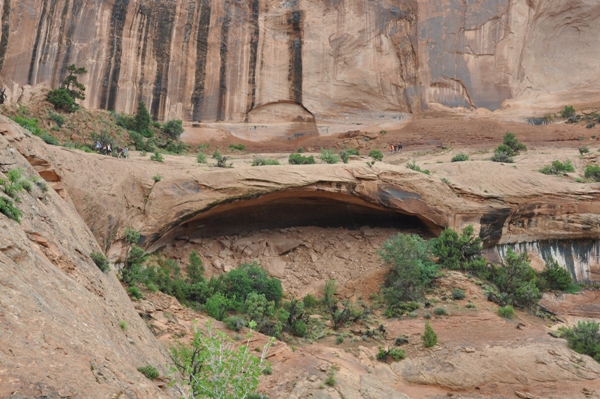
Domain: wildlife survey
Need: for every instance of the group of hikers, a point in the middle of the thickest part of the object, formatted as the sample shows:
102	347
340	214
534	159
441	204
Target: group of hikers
107	149
396	147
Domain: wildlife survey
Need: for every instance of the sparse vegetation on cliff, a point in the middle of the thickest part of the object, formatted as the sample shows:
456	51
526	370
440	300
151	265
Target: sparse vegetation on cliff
558	167
509	148
328	156
592	172
298	159
417	168
100	261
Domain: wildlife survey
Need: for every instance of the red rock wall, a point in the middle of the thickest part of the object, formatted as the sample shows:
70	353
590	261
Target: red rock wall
217	60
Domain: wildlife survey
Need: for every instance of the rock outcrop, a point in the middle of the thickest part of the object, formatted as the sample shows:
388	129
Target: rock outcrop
66	328
304	61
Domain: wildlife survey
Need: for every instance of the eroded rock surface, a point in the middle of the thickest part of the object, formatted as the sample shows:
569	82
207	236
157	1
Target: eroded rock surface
60	316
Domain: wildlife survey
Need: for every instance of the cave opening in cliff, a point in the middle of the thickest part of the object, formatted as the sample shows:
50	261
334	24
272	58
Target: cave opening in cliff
243	217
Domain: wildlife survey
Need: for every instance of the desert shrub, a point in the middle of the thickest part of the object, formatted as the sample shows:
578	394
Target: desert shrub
237	147
460	252
123	325
249	278
58	119
263	162
584	150
509	140
584	338
149	371
135	293
508	312
376	154
458	294
592	172
568	112
201	158
176	147
309	301
235	323
195	270
213	365
344	156
8	209
395	353
299	328
400	309
328	156
555	276
221	160
339	340
173	129
330	378
429	337
516	280
501	156
329	292
216	306
558	167
590	125
416	168
460	158
157	157
157	178
61	100
412	269
31	124
470	306
353	151
100	261
297	159
142	120
440	311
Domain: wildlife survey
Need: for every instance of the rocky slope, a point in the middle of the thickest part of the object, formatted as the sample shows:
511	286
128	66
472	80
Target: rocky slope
305	61
60	316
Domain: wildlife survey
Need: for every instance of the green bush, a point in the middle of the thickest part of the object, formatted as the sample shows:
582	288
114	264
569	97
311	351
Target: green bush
339	340
584	338
584	150
397	354
415	167
195	270
353	151
216	306
555	276
58	119
157	157
30	124
568	112
309	301
221	160
297	159
201	158
516	280
458	294
237	147
511	143
135	293
429	337
100	261
460	158
400	309
508	312
558	167
501	156
142	120
8	209
263	162
235	323
173	129
440	311
376	154
460	252
330	378
157	178
328	156
149	371
299	328
329	292
593	172
123	325
412	269
61	100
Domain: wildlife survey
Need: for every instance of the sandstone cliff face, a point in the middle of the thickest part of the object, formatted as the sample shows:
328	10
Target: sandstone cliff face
59	314
303	60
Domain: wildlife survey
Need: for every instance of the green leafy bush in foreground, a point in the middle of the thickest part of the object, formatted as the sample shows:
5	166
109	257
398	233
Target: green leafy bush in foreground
593	172
584	338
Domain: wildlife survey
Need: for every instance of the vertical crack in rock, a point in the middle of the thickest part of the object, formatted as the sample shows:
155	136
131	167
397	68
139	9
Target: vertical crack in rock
201	51
295	22
5	31
163	34
253	55
223	68
110	87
